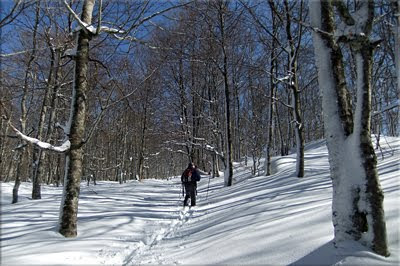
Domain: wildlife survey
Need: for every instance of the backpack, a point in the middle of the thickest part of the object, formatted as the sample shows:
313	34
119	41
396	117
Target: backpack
196	176
187	176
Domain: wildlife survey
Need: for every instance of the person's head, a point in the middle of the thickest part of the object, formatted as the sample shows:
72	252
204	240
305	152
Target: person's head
191	165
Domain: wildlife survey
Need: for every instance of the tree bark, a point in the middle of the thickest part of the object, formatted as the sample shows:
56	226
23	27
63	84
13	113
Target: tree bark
142	144
294	88
17	178
39	154
371	190
24	113
228	124
51	122
273	68
74	157
357	203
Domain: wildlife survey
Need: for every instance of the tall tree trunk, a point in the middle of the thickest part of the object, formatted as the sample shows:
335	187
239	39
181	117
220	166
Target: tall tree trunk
371	190
294	88
271	125
280	133
357	203
125	151
17	177
213	112
51	122
3	165
273	68
142	144
289	132
38	154
74	157
238	125
184	110
195	116
299	132
228	124
24	113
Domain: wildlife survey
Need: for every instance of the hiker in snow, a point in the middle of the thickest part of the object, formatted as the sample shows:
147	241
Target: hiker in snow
189	180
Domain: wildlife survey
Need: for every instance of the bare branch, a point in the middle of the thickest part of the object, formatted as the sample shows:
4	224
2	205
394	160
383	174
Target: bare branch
76	17
157	14
275	99
343	12
260	24
14	12
315	29
97	121
99	21
3	111
387	108
127	32
133	91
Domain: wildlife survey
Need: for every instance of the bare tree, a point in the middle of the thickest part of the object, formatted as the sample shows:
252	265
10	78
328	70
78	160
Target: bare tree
28	79
294	85
272	83
76	128
221	7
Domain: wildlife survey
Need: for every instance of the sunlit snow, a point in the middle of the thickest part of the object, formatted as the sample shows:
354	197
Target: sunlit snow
275	220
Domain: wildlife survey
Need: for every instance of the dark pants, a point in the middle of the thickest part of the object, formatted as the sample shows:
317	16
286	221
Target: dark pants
190	189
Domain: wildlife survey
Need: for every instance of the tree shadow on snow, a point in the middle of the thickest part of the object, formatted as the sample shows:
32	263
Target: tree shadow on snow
324	255
348	253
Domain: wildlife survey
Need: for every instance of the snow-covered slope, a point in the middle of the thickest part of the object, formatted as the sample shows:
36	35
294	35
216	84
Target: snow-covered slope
276	220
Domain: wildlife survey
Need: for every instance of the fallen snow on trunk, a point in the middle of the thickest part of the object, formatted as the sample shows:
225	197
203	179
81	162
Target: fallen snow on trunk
276	220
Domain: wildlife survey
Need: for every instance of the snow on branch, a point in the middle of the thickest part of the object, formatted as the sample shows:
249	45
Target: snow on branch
97	30
70	52
352	26
16	53
113	31
210	148
313	28
276	99
283	78
29	50
64	128
44	145
90	28
76	17
133	39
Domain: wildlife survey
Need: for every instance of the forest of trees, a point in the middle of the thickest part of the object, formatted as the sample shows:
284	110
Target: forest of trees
123	90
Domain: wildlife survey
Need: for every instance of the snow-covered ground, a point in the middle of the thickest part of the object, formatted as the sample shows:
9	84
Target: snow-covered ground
276	220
